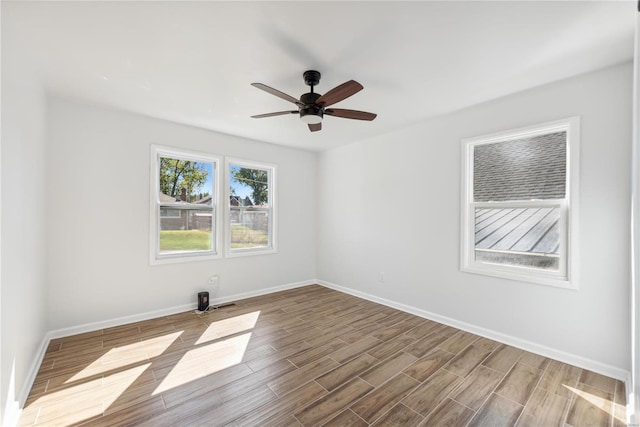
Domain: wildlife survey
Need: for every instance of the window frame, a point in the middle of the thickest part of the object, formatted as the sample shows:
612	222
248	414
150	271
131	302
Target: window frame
271	170
155	257
567	276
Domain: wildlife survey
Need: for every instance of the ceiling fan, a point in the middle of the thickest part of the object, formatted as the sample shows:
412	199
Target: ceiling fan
313	106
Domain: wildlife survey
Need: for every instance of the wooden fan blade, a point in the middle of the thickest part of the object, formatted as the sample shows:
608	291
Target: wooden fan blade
277	93
350	114
315	127
278	113
339	93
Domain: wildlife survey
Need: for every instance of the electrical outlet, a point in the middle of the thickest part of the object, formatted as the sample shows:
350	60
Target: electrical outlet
214	280
381	277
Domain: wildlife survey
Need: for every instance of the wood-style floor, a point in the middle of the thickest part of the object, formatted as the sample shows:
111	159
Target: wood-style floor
309	356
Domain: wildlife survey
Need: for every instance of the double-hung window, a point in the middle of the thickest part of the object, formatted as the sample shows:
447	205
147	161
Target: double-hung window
519	204
250	218
184	188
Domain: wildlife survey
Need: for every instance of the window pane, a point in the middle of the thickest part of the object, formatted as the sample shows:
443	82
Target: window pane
526	237
249	228
249	187
250	209
521	169
185	203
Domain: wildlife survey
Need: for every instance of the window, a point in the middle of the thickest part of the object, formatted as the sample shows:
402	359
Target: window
183	212
250	220
519	217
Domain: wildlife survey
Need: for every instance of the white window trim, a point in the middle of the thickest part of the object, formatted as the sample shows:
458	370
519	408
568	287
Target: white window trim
273	219
564	279
155	258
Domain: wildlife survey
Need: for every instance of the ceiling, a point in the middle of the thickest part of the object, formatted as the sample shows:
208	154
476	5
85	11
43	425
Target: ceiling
193	62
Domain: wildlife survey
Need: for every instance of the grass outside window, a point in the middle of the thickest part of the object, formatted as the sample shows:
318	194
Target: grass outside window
185	240
243	237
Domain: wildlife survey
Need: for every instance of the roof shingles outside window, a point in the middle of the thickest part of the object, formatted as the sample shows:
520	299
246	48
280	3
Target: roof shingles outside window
523	169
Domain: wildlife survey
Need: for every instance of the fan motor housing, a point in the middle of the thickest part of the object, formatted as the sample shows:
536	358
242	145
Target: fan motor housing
311	113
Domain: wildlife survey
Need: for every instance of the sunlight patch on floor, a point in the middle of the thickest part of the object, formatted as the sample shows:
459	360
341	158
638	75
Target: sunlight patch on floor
88	399
205	360
226	327
597	402
125	355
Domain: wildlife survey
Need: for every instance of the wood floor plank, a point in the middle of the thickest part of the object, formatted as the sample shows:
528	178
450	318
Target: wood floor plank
428	396
346	419
393	331
264	376
503	358
399	415
353	350
290	381
388	368
497	411
426	345
326	407
476	387
449	414
375	404
467	360
391	347
545	408
425	328
534	360
232	409
559	377
426	366
347	371
275	413
315	353
457	342
284	353
308	356
194	389
132	415
519	383
596	380
358	334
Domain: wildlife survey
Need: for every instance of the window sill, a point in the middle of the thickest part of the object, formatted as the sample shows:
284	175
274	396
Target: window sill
521	275
175	259
250	252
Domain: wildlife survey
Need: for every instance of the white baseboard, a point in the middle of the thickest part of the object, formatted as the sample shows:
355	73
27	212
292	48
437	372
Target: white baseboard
572	359
119	321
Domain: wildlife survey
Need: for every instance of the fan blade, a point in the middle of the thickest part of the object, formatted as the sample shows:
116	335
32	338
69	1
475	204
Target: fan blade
350	114
277	93
339	93
279	113
315	127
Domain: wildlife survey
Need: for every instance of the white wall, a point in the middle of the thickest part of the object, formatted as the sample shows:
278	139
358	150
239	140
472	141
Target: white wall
392	204
23	248
98	220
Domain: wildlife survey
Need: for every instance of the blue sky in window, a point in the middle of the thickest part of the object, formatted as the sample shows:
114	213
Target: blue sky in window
240	190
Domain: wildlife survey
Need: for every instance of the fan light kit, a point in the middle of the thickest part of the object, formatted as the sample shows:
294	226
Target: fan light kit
312	106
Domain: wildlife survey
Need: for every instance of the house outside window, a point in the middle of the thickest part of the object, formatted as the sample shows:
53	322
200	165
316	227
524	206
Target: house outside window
251	214
519	204
184	210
